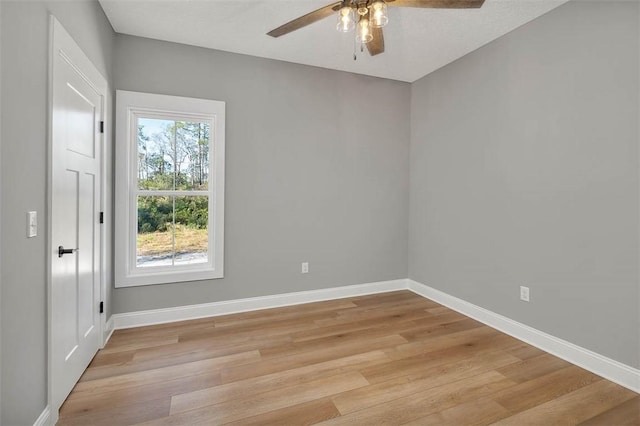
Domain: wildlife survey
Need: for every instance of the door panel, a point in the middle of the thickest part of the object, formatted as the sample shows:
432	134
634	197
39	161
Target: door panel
86	268
66	290
80	123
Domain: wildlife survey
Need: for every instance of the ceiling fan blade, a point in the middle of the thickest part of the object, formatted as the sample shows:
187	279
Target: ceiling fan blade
437	4
376	45
305	20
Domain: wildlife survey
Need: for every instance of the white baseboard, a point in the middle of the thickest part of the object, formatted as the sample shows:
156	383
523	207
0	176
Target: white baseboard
108	331
610	369
43	419
182	313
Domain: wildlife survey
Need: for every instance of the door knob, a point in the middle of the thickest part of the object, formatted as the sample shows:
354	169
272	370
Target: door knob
62	251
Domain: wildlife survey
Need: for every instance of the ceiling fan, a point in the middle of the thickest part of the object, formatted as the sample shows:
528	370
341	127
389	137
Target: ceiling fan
367	17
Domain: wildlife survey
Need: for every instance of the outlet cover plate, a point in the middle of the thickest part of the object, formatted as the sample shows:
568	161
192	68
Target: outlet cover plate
524	293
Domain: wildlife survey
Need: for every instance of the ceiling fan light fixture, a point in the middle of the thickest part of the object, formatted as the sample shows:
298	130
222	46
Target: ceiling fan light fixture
379	17
346	18
363	34
367	16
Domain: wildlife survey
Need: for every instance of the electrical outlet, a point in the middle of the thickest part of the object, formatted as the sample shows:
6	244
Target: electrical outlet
524	293
305	267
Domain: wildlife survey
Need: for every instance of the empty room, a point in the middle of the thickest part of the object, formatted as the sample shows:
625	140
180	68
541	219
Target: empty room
296	212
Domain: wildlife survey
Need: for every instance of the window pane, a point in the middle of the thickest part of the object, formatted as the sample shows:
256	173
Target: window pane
154	243
192	155
172	231
191	231
156	153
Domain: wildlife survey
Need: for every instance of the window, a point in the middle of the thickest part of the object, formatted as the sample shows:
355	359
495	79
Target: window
169	189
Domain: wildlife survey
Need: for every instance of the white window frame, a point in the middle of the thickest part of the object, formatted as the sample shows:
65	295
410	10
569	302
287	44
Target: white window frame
129	107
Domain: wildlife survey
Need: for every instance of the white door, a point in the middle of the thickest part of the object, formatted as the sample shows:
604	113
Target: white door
77	108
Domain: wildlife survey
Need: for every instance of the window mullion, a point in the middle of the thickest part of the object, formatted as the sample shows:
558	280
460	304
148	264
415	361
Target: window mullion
173	233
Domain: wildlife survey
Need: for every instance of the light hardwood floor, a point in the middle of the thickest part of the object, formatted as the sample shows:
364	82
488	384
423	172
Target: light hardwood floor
393	358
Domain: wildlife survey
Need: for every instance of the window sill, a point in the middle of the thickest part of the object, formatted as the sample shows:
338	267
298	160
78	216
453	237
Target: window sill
165	277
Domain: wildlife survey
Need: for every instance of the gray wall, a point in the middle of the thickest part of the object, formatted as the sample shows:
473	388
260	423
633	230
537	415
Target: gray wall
24	52
524	171
316	170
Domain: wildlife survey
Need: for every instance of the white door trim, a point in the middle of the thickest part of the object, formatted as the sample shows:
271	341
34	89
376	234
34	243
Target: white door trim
57	36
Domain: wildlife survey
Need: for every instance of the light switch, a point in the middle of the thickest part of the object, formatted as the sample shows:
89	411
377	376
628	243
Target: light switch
32	224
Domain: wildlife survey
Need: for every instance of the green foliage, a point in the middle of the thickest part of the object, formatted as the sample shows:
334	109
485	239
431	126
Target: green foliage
192	211
157	214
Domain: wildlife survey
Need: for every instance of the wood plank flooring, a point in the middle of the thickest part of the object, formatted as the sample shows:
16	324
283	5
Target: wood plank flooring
393	358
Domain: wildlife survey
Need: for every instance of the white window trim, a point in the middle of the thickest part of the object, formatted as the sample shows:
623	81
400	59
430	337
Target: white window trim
128	106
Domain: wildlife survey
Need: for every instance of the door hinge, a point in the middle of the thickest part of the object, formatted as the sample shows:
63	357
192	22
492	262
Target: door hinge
101	217
102	127
101	307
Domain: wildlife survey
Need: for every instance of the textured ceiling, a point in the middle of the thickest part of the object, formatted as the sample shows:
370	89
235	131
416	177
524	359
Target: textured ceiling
417	41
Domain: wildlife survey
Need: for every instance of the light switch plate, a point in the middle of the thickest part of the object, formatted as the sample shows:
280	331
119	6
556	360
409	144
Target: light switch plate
32	224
